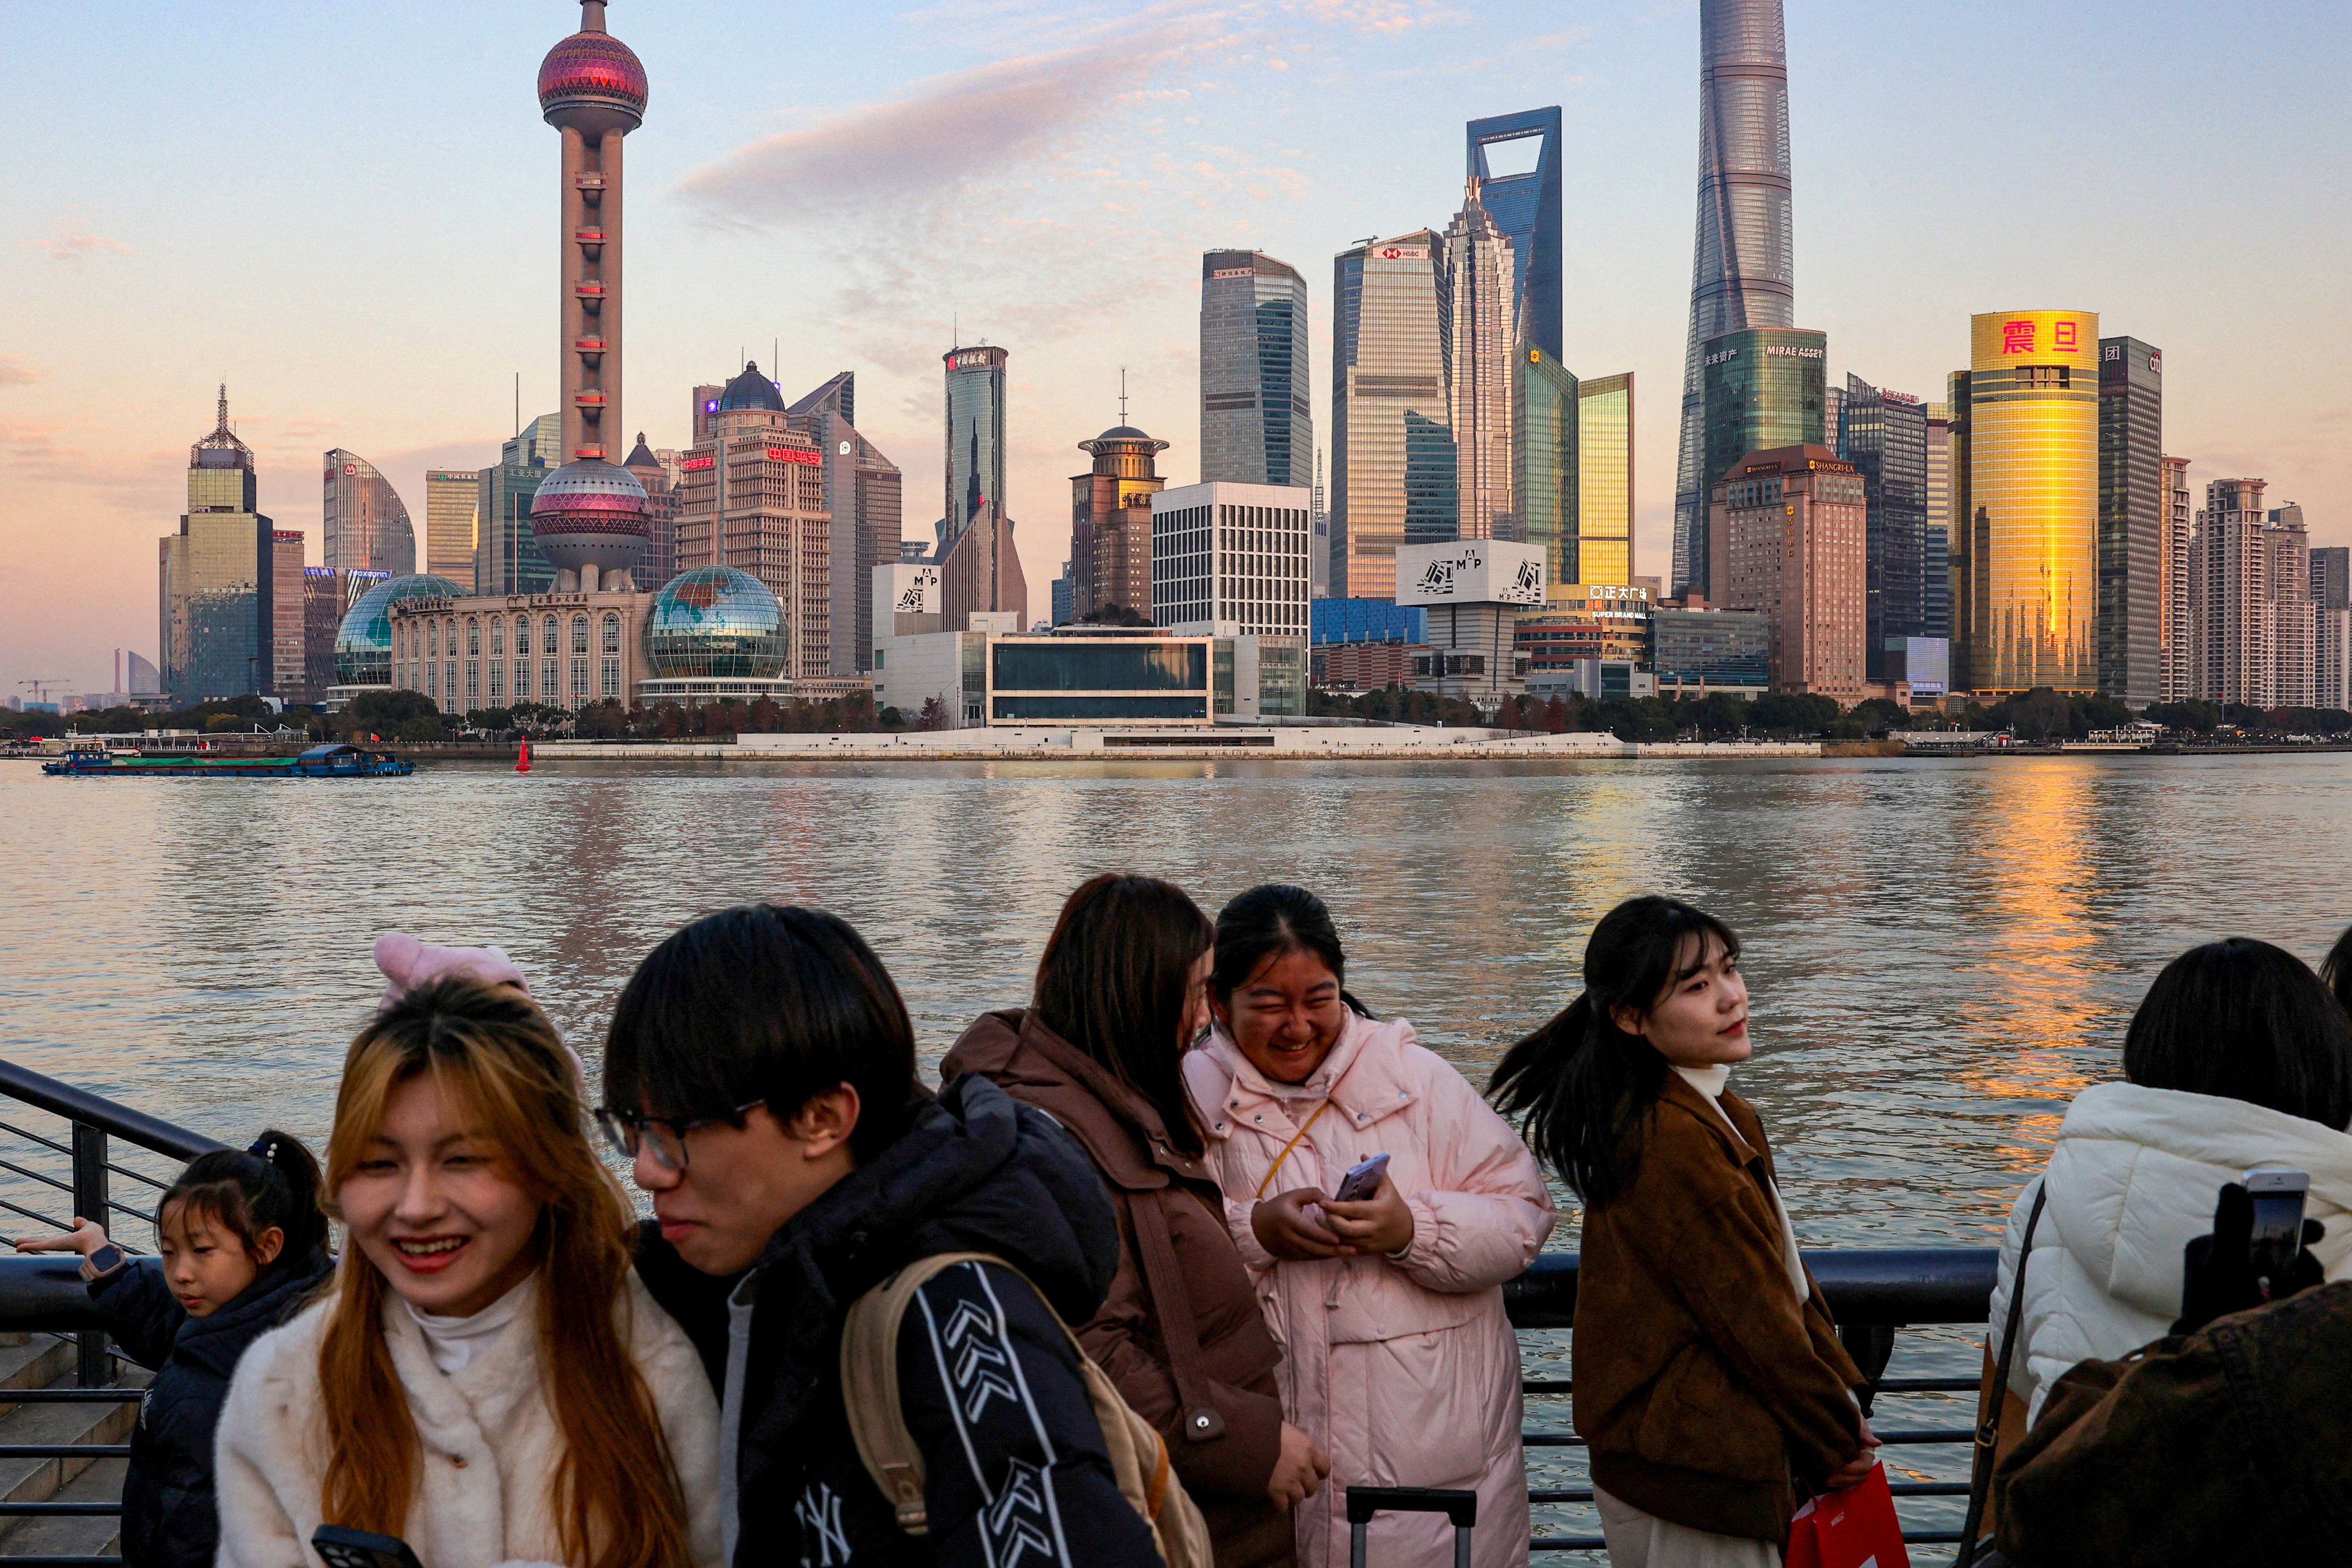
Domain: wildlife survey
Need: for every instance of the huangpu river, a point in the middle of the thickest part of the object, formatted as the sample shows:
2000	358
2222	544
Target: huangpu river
1939	953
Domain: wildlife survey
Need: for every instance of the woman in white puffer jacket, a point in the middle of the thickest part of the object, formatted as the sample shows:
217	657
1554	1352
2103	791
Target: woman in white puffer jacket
2237	1056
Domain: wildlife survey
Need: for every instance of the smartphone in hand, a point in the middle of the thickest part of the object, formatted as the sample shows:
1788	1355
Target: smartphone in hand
1362	1180
342	1547
2278	1195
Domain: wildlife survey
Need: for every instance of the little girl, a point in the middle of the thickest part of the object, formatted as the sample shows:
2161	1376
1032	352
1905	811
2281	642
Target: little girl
244	1240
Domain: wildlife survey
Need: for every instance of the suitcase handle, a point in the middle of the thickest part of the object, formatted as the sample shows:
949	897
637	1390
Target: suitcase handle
1458	1506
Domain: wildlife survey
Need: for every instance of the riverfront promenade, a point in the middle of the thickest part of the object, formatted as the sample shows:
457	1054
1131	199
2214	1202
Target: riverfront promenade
1281	742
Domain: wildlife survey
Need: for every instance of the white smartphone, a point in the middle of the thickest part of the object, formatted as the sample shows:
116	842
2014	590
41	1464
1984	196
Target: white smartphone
1362	1180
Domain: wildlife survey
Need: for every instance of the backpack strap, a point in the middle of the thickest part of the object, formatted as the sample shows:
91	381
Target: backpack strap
869	1383
869	1379
1988	1419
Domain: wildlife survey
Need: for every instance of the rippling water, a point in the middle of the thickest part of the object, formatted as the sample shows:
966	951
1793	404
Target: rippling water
1940	953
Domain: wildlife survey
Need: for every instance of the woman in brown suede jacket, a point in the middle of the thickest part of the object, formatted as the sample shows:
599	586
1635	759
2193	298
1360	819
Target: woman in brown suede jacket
1121	991
1708	1374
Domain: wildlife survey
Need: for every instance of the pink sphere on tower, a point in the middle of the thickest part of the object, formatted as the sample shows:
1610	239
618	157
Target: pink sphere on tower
589	516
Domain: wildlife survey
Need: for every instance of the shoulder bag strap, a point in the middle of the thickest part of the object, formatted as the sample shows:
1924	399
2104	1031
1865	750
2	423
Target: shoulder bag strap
1163	1276
1989	1418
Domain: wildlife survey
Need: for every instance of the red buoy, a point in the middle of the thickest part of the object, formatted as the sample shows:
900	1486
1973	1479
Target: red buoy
522	762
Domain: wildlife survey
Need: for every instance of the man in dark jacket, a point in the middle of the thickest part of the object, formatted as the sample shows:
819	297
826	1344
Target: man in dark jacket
761	1074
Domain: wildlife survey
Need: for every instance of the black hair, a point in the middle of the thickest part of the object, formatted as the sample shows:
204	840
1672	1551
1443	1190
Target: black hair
771	1002
1270	919
2243	1020
2336	969
272	1186
1114	981
1585	1086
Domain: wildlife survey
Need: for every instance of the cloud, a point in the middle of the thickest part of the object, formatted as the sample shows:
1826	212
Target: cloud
15	372
949	129
75	245
1383	15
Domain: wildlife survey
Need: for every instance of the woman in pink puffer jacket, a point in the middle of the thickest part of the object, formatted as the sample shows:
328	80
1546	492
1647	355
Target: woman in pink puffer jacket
1397	1357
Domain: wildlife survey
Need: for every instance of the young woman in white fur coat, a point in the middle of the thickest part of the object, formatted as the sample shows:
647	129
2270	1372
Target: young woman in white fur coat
487	1380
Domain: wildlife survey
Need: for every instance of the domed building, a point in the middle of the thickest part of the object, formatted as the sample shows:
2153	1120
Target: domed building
1110	521
363	642
715	633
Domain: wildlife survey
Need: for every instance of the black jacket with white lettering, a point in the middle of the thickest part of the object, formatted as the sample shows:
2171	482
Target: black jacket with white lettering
1016	1473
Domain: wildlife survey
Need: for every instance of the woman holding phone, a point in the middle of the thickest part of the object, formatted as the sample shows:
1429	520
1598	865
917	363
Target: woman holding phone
1398	1359
486	1381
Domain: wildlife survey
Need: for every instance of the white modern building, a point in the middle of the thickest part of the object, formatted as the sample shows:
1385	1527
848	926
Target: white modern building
1234	554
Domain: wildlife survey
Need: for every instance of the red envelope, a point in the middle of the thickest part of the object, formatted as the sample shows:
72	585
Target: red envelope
1855	1528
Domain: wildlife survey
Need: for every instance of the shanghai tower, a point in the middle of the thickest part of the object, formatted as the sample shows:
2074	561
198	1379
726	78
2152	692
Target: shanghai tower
1745	273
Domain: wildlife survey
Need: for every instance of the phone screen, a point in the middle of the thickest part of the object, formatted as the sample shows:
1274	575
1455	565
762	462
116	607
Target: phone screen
340	1547
2278	1200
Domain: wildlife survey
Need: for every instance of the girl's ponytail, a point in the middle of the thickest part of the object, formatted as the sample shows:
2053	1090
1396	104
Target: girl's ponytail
272	1185
290	1193
1584	1086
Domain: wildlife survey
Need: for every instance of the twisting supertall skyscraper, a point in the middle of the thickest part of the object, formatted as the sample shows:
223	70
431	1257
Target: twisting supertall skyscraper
1744	274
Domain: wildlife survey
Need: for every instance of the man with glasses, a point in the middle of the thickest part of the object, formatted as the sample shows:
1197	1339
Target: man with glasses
761	1078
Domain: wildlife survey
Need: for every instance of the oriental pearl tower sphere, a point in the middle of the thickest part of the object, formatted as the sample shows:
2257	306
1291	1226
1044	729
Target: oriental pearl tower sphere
589	516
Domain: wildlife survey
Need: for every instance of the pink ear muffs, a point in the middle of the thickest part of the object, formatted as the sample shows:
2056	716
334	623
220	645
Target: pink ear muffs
407	963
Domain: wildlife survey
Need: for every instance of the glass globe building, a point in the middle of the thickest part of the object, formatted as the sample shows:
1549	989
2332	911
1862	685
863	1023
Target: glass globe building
363	642
714	623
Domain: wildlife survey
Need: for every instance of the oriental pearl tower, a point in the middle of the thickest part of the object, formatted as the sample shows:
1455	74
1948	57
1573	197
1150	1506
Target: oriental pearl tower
589	516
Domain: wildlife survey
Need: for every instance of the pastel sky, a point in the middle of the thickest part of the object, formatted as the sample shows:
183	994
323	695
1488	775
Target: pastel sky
348	213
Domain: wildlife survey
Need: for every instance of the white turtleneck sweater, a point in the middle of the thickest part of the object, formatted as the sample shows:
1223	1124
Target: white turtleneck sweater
1711	1081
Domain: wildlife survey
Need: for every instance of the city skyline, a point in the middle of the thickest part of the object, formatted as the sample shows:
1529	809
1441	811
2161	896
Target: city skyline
1895	257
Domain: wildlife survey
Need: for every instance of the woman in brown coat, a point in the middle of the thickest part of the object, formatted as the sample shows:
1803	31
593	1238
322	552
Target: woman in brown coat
1120	992
1707	1370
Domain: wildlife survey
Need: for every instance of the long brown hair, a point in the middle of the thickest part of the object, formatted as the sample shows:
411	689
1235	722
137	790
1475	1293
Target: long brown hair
1113	982
497	1058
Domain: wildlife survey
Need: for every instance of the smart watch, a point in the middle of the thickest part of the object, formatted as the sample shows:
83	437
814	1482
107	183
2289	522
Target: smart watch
102	1262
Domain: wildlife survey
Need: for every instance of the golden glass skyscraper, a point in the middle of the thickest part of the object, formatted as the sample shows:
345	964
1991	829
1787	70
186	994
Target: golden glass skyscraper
1604	478
2027	494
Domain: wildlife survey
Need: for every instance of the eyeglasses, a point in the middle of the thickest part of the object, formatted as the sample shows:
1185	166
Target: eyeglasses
626	1132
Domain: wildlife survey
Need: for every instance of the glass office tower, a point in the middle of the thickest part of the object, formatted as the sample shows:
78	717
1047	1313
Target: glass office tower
1257	428
1543	449
1604	478
2026	424
453	504
216	577
1885	435
1764	388
1526	207
1393	457
506	552
1481	354
367	526
1744	271
2133	508
975	440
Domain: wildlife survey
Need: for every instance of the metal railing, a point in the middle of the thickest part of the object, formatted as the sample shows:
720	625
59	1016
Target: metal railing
1873	1294
42	1293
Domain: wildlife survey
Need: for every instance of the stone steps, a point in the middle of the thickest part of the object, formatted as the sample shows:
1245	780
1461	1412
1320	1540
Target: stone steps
42	1360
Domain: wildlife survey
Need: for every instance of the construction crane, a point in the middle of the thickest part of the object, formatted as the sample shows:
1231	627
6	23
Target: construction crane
40	689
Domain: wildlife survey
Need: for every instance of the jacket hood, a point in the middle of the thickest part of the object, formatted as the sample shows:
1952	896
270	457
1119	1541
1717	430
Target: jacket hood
1120	1129
1365	1076
2137	1170
975	1171
277	1293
